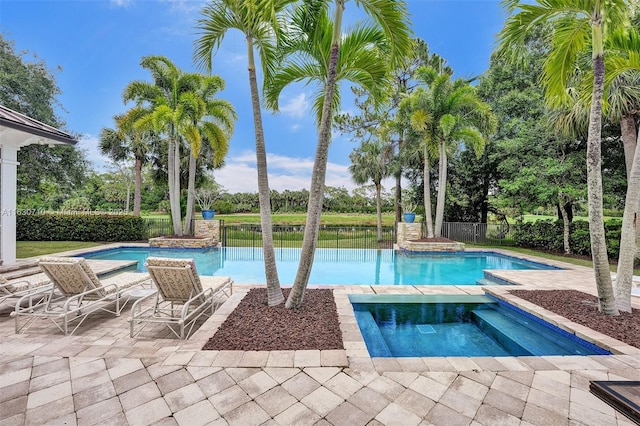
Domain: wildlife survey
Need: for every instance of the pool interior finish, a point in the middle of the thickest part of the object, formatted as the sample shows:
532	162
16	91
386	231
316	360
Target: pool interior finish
458	325
338	266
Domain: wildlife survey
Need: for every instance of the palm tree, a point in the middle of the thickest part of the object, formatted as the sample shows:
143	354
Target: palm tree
624	101
332	56
578	25
124	141
214	120
169	103
258	20
370	162
448	113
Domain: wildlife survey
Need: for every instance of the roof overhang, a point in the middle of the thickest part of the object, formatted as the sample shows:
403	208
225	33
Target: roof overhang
19	130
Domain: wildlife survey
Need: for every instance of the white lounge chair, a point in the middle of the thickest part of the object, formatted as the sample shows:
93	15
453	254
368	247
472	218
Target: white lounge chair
182	298
13	290
77	292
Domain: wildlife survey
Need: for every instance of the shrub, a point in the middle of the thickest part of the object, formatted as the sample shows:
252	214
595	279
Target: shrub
547	235
54	227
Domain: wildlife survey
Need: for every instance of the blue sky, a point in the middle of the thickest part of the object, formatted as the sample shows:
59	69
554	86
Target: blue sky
98	45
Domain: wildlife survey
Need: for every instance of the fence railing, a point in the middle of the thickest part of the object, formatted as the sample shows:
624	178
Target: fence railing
290	236
158	227
477	233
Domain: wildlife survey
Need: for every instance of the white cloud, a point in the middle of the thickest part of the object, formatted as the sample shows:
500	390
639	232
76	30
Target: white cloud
292	173
89	144
295	107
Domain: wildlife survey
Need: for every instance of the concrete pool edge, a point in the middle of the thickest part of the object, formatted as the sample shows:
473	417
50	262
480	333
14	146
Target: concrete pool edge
602	340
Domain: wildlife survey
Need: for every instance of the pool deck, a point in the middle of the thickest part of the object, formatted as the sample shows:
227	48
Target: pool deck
100	375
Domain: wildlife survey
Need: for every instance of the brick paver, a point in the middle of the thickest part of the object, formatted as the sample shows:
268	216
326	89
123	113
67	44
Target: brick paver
100	375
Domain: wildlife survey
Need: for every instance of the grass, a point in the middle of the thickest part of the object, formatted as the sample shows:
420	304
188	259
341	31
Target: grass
39	248
341	219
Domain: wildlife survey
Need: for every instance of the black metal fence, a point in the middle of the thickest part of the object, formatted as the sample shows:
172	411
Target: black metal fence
291	236
158	227
477	233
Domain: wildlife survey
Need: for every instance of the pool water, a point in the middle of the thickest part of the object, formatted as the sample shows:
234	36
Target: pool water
425	326
336	266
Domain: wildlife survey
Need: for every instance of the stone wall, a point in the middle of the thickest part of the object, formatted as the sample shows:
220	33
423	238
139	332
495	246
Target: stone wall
206	232
409	233
207	229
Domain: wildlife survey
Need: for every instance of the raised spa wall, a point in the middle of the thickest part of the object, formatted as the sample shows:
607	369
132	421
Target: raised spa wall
409	233
207	233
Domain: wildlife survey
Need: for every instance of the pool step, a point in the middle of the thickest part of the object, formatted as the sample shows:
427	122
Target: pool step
521	336
376	345
485	281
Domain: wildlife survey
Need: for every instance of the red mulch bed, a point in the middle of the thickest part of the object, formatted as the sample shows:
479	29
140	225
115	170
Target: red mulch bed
582	308
254	326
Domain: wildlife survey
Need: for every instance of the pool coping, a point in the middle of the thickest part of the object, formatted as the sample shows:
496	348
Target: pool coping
355	354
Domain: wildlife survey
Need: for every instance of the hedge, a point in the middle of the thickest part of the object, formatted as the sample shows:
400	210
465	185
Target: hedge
548	235
54	227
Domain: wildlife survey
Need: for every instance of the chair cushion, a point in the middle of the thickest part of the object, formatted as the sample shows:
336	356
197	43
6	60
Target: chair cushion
178	284
67	274
24	283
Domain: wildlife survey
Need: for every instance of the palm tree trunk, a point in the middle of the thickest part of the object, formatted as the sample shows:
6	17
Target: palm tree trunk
628	136
191	184
565	223
137	190
176	210
630	219
628	133
174	191
442	187
316	191
427	194
274	292
594	183
398	176
379	209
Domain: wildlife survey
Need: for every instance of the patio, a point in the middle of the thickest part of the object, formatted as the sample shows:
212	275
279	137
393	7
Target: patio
102	375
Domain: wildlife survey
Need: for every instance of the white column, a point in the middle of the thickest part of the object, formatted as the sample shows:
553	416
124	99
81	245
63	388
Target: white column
8	176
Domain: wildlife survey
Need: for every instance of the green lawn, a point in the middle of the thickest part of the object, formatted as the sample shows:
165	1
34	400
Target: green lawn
345	219
39	248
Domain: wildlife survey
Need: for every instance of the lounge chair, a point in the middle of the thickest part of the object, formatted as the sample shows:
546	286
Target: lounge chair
13	290
77	292
182	298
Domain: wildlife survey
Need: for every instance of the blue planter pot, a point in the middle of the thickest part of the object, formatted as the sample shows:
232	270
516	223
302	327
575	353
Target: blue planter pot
208	214
408	217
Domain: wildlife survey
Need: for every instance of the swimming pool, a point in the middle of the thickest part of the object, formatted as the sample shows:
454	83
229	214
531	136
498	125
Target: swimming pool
461	325
336	266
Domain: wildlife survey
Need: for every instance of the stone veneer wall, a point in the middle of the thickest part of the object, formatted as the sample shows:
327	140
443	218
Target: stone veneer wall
207	229
422	246
408	232
207	233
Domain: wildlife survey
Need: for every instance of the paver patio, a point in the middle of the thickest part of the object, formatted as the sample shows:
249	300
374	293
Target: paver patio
101	375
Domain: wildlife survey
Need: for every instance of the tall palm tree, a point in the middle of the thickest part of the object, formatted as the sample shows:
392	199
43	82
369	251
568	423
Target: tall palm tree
258	21
448	113
624	101
370	162
169	104
125	141
578	25
214	120
392	18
